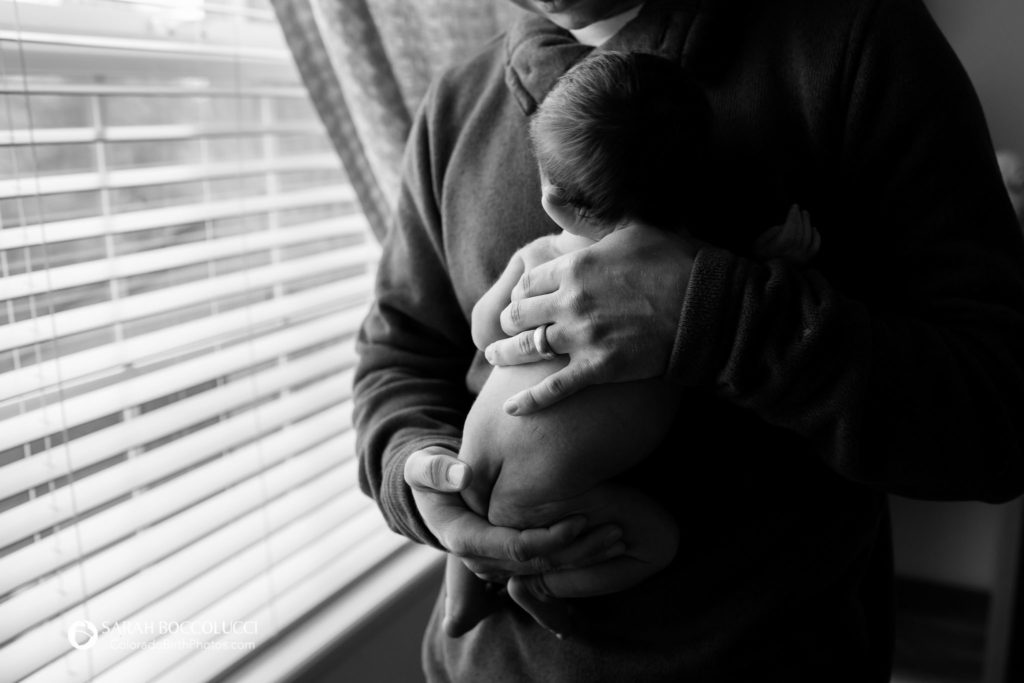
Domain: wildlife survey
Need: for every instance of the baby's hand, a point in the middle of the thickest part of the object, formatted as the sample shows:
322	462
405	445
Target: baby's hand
795	241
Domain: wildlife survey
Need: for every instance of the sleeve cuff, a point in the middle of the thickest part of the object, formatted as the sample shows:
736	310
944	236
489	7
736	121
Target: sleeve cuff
700	348
396	501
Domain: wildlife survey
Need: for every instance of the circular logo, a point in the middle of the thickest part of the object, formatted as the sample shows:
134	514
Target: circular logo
82	635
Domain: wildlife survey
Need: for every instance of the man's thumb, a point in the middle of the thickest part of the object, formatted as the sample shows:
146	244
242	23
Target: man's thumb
436	471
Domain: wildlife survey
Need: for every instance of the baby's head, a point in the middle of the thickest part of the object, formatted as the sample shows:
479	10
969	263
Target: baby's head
621	136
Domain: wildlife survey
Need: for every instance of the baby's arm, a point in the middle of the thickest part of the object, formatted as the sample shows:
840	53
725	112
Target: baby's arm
486	319
487	311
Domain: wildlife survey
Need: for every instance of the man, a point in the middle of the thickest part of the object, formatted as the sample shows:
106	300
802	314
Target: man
896	364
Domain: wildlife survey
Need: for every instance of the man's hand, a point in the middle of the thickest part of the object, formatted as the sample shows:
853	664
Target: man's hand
797	241
493	553
613	308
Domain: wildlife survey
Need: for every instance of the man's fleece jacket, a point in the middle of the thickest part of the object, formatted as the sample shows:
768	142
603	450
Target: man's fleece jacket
894	363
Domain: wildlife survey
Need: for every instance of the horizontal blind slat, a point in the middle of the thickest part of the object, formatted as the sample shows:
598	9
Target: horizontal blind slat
147	262
299	522
51	326
161	175
57	136
95	447
293	604
70	545
55	232
243	578
355	542
320	630
208	6
134	391
140	471
143	46
303	477
18	85
234	326
47	136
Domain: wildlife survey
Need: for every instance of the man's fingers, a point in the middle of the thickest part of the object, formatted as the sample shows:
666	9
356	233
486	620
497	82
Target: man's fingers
515	350
436	469
542	279
526	314
473	537
553	388
793	217
802	238
546	541
595	547
521	348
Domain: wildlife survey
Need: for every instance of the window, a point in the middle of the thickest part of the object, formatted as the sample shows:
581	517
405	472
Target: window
183	270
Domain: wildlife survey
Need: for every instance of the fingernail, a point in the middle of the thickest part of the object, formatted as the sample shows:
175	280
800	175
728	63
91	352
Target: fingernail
456	474
511	407
489	354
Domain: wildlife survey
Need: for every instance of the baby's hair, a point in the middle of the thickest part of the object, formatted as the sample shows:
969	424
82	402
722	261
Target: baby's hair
623	134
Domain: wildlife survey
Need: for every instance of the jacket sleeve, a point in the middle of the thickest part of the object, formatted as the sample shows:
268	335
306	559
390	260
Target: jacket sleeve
414	345
918	392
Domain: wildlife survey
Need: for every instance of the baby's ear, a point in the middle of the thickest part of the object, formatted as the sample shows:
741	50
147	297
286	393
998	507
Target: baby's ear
555	206
568	216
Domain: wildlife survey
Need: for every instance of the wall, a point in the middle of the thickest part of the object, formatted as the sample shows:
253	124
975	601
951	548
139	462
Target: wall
988	35
950	543
956	542
386	650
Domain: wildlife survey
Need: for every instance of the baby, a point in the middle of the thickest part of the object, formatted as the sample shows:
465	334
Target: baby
618	141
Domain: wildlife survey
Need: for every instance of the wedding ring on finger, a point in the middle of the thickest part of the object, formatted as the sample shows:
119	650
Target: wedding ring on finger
540	342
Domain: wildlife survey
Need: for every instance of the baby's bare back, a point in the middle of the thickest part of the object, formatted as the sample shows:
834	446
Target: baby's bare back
536	469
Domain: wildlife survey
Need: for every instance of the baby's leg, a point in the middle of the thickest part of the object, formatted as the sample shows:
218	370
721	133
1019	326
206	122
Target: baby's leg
651	539
468	599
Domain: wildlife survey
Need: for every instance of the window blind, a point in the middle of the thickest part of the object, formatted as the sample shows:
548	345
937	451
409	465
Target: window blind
184	266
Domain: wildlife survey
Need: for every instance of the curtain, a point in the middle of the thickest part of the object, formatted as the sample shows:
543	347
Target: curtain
367	64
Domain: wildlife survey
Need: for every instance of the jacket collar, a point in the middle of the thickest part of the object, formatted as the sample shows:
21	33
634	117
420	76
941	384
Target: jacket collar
538	52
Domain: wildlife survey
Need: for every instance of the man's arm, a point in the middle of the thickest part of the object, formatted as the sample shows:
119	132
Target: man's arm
414	348
920	390
917	391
